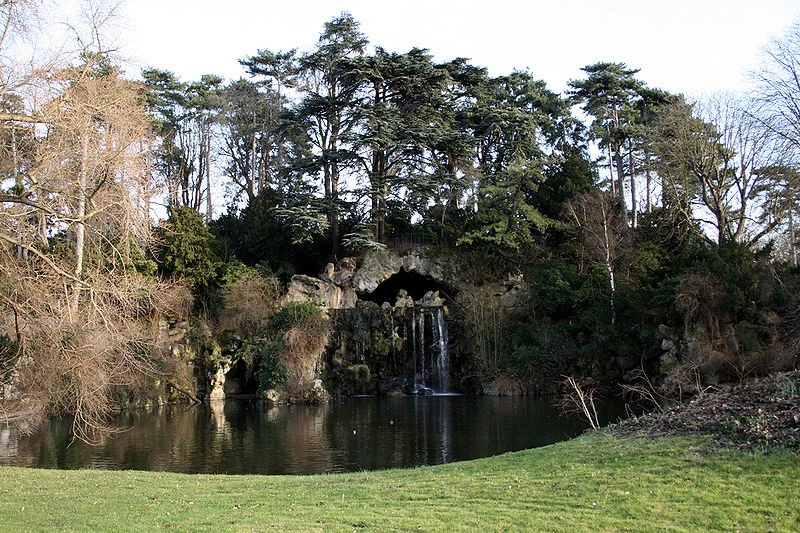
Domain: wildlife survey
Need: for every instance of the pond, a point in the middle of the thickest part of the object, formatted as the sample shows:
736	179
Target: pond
239	437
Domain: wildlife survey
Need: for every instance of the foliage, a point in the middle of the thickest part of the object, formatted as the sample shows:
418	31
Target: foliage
282	346
250	299
187	249
541	351
487	327
271	372
296	315
72	229
256	235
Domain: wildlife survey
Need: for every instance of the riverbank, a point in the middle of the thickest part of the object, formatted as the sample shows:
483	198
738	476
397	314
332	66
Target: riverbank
598	482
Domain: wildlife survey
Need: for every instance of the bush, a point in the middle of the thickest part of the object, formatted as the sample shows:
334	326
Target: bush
188	249
541	351
295	315
249	301
271	372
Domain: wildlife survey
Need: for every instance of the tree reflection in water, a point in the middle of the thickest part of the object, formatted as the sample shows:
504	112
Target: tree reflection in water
238	437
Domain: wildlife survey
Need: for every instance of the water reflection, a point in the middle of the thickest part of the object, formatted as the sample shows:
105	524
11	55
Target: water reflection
347	435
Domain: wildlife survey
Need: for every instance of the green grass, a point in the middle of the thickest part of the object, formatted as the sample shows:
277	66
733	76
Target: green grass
593	483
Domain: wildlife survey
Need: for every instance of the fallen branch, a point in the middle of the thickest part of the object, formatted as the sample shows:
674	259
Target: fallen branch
180	389
583	402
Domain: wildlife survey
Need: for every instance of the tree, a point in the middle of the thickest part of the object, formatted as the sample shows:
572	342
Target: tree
81	306
777	91
249	137
602	233
325	112
206	100
183	115
607	94
711	159
187	249
777	98
279	72
398	99
521	130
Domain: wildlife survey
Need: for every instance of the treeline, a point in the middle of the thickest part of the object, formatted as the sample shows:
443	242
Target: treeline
353	147
347	147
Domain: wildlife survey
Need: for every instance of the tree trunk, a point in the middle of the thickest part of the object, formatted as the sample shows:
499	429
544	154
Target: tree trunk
792	240
22	253
254	175
334	209
609	266
648	180
611	170
621	185
209	207
634	199
80	229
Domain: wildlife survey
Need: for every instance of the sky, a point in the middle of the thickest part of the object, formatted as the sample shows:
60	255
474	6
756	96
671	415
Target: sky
693	47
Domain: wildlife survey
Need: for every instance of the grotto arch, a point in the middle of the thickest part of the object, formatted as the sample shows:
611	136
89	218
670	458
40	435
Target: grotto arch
413	283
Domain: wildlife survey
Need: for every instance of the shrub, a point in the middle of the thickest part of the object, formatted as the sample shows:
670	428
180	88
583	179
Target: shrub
249	302
295	315
540	350
271	372
188	249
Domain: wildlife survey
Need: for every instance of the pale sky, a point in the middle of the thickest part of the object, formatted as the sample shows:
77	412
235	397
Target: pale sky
694	47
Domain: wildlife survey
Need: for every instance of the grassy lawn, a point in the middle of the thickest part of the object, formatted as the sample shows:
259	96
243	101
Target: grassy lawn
593	483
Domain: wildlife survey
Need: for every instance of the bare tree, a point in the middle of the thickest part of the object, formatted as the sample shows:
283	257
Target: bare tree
777	90
84	320
777	107
711	157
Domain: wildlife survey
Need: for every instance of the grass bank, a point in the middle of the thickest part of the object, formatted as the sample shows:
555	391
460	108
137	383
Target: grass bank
593	483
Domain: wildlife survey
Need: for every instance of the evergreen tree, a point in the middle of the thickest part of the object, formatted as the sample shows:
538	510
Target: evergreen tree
608	94
520	129
325	112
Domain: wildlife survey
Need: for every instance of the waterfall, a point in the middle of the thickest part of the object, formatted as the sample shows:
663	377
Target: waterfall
431	361
421	328
414	342
442	360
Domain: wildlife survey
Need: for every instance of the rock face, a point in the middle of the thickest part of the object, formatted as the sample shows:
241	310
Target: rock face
324	293
218	384
339	287
402	349
377	267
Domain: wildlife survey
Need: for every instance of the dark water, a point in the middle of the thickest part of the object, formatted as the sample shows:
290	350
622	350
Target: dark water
346	435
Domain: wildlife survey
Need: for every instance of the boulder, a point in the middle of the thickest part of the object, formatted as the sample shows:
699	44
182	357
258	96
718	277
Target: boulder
403	299
323	293
272	396
344	274
218	383
318	392
431	299
328	273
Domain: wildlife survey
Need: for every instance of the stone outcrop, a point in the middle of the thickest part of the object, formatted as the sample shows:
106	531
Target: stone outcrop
339	287
324	293
377	267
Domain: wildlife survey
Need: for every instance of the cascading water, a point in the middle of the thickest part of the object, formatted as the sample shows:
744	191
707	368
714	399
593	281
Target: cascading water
421	378
404	348
431	361
442	360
